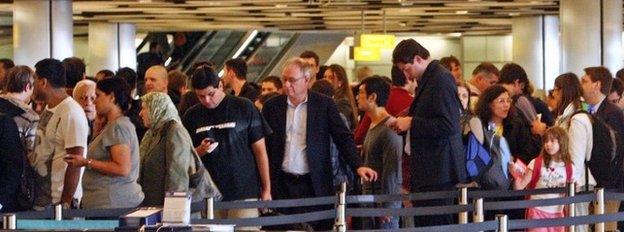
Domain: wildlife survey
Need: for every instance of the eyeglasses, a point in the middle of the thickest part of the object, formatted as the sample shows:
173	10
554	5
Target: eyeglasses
291	80
503	100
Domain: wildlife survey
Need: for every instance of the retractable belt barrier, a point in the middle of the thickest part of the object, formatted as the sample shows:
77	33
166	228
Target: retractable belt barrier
377	212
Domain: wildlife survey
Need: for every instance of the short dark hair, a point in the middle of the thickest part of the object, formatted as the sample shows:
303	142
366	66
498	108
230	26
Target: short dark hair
203	77
74	70
153	45
448	60
265	97
601	74
107	73
321	72
486	68
120	90
617	86
406	50
397	76
488	96
7	63
378	86
512	72
18	78
310	54
129	75
52	70
239	66
323	87
273	79
176	80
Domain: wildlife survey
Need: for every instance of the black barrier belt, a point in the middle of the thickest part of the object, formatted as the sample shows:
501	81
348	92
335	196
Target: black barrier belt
499	205
430	210
329	200
613	196
272	220
579	220
97	213
401	197
45	214
513	193
481	226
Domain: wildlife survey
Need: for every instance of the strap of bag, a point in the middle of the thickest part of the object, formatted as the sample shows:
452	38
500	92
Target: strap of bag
537	168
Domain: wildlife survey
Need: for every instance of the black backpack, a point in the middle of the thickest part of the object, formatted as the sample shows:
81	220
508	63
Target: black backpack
607	155
27	192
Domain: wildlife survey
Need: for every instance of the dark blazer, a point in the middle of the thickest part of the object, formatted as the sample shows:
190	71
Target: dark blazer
436	145
12	157
323	122
612	115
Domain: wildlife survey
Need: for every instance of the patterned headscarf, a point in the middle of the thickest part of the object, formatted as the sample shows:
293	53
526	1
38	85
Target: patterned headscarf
161	110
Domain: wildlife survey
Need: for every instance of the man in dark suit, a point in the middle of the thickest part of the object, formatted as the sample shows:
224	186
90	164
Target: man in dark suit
303	123
596	84
433	128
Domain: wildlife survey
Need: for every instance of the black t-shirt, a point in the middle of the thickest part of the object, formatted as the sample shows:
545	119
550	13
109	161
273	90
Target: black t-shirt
250	91
235	124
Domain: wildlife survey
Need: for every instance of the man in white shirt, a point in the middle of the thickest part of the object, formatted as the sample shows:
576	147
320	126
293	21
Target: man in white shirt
62	131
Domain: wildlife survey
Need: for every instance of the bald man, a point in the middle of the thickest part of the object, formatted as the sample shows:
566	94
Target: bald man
156	79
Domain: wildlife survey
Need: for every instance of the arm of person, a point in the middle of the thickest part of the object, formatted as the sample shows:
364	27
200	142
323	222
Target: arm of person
120	163
178	159
446	115
262	161
343	139
390	179
522	183
579	132
72	177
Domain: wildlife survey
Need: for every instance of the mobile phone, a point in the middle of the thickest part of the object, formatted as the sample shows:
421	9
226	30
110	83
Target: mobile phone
210	140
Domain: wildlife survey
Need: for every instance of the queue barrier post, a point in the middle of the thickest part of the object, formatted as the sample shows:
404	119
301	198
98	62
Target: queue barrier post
9	222
463	200
599	208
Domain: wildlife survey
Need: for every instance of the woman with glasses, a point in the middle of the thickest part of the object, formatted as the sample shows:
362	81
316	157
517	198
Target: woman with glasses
567	94
488	126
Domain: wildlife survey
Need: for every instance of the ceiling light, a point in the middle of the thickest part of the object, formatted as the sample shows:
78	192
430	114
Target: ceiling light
461	12
455	34
404	10
514	14
281	5
403	24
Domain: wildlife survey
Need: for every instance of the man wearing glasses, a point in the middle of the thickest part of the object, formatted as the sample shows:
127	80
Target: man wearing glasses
303	123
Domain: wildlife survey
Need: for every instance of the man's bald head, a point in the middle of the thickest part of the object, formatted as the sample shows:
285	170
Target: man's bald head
156	79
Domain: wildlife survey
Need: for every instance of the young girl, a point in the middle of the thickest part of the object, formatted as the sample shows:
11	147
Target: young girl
551	169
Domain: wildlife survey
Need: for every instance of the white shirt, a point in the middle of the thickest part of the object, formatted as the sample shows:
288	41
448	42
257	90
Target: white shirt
67	127
553	176
295	156
580	135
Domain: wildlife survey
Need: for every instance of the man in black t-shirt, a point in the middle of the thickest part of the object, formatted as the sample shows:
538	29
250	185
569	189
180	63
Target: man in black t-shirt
238	164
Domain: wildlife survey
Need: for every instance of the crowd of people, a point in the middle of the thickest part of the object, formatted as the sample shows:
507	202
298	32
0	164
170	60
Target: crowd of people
122	139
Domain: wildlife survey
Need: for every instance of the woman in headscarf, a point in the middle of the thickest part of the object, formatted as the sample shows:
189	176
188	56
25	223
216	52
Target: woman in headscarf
166	150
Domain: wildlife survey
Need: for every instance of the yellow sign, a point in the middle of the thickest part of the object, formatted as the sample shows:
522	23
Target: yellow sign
377	41
366	54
